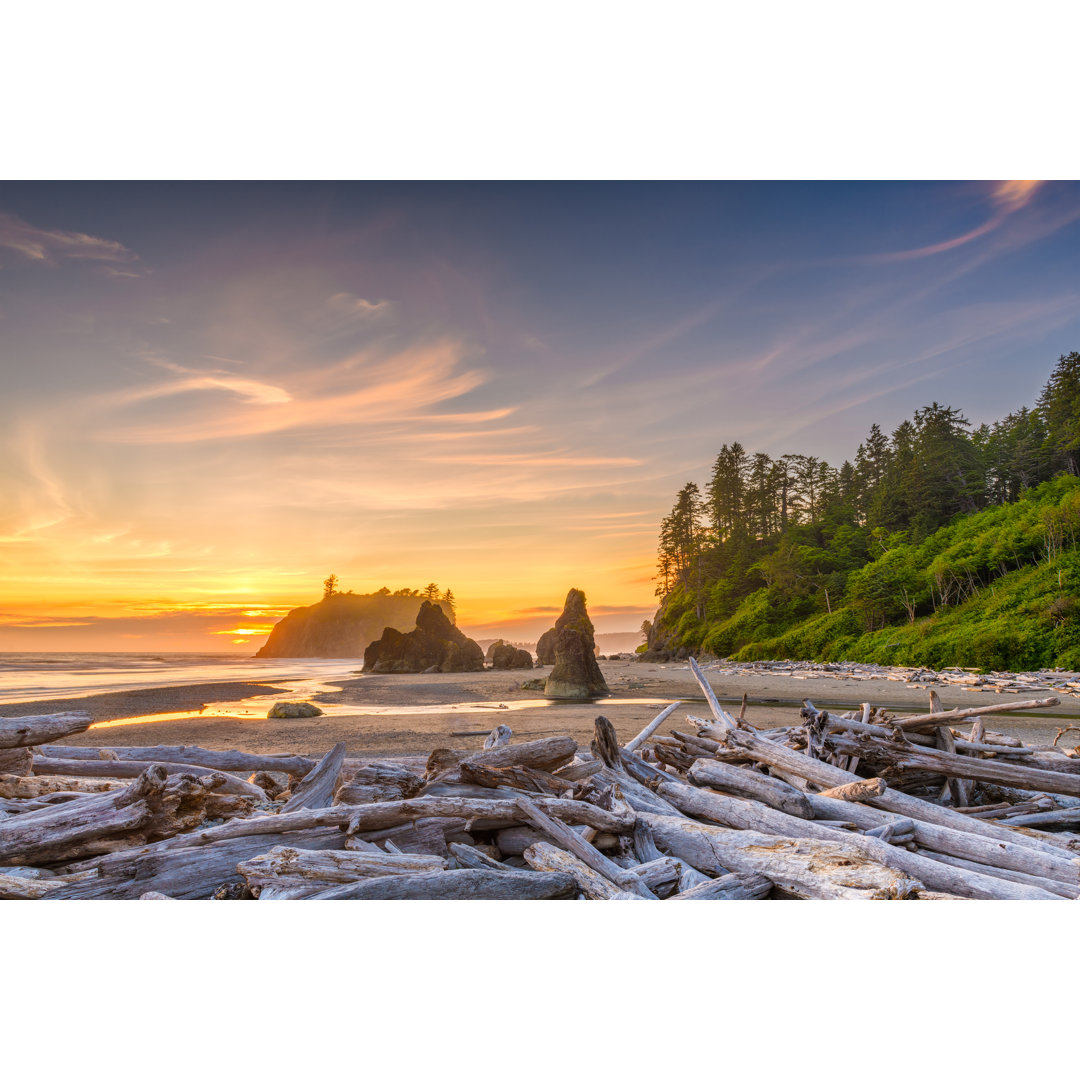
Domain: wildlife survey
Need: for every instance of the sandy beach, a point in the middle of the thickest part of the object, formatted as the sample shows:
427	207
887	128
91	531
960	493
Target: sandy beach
403	715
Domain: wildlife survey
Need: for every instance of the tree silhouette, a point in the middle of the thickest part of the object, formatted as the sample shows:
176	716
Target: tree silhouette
330	586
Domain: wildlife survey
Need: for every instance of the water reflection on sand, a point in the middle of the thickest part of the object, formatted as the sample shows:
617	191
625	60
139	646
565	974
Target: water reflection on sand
256	708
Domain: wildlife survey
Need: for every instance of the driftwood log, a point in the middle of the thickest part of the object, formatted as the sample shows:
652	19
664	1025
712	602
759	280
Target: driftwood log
34	730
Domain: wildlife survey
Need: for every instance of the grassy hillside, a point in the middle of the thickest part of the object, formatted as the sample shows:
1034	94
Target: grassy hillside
999	589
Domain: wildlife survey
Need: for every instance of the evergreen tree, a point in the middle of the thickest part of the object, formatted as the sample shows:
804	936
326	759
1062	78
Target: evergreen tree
1059	404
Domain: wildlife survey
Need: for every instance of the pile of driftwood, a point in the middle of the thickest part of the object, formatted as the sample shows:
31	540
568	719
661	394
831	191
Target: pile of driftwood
853	807
999	682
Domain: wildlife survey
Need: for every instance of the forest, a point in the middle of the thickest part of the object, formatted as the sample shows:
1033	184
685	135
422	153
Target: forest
939	545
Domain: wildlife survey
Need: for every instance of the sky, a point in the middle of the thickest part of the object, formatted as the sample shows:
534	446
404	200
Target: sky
213	395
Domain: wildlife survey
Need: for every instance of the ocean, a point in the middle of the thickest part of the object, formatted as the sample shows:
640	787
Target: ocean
41	676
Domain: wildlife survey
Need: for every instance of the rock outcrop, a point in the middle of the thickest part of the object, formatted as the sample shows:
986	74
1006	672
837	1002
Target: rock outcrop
341	626
292	710
574	616
504	657
576	674
435	643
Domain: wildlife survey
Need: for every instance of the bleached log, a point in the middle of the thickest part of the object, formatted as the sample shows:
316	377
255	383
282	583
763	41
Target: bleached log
750	785
16	762
15	887
729	887
931	720
662	876
1059	888
316	790
458	885
149	809
650	727
34	787
547	754
827	776
219	760
547	858
812	869
515	776
569	840
881	754
741	814
291	873
1047	817
185	873
500	736
34	730
723	718
51	766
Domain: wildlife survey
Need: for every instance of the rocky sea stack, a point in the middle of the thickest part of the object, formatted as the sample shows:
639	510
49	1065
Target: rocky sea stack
576	674
339	626
505	656
575	617
435	644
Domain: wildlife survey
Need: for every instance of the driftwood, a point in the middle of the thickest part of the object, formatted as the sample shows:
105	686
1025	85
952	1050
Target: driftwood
650	727
16	762
186	873
33	787
316	790
935	719
500	736
813	869
286	873
728	812
221	760
741	814
109	767
729	887
753	785
34	730
151	808
723	718
550	859
458	885
879	753
570	841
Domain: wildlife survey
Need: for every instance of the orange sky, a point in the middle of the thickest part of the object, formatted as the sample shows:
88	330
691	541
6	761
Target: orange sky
215	395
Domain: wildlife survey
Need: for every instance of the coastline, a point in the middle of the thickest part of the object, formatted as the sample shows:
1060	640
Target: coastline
380	716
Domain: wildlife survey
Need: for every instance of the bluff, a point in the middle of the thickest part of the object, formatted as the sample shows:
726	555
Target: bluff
341	626
435	643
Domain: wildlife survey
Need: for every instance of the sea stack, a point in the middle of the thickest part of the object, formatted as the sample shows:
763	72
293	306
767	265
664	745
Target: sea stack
435	643
576	674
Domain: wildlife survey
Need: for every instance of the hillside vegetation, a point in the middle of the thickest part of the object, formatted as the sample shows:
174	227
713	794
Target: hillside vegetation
938	546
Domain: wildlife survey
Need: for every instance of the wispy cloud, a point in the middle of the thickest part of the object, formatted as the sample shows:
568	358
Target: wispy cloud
364	389
1008	195
48	246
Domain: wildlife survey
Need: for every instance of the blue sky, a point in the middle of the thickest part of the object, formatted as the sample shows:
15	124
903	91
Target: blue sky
216	394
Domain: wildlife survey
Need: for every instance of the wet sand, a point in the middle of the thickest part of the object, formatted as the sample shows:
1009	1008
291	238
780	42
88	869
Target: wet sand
398	715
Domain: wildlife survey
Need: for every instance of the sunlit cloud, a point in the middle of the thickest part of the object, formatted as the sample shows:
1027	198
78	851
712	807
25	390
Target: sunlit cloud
48	245
1009	195
363	389
1014	194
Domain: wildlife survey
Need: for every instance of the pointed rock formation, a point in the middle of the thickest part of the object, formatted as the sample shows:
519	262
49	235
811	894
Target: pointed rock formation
573	616
435	643
576	673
